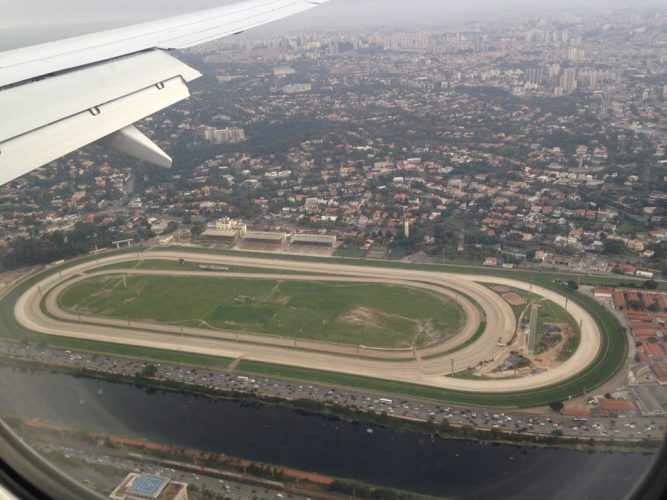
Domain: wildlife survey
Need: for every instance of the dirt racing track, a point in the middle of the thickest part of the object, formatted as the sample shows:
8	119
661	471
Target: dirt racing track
37	310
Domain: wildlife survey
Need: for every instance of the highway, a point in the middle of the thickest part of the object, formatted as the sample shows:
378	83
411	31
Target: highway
431	370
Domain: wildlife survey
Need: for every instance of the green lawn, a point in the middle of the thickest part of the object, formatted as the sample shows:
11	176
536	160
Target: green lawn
375	315
350	252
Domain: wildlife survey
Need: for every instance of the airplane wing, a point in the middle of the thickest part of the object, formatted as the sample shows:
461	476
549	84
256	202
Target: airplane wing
60	96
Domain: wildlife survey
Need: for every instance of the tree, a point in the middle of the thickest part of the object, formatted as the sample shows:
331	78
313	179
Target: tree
614	247
197	229
148	371
556	406
171	227
572	285
651	284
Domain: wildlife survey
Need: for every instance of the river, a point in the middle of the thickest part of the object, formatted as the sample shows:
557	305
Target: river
400	459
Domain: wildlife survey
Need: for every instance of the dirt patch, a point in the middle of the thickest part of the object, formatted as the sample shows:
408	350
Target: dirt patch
500	288
427	334
549	359
363	316
514	299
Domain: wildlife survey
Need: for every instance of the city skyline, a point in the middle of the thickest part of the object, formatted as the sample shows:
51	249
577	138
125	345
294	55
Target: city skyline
35	21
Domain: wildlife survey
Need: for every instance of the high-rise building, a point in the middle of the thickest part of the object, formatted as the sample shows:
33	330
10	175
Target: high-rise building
575	54
595	80
535	76
533	36
569	80
554	71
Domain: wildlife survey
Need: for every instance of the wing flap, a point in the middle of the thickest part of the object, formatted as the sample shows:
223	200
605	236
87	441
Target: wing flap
43	102
24	153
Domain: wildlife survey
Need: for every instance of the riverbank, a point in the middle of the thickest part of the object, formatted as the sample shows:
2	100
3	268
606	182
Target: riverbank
200	463
443	429
394	457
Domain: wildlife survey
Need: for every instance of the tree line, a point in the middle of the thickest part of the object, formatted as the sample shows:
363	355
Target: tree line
58	245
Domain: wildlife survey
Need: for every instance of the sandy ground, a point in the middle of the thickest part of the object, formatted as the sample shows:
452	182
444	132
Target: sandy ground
500	319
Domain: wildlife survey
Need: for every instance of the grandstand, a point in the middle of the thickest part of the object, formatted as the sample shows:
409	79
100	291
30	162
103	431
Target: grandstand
224	230
219	236
317	240
264	237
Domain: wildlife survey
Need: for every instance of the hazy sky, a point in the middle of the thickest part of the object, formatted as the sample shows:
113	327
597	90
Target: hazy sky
31	21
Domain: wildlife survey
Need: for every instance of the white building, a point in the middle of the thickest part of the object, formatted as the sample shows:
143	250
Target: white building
230	135
297	88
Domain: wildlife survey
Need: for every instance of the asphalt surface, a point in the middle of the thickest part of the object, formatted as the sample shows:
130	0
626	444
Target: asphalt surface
500	324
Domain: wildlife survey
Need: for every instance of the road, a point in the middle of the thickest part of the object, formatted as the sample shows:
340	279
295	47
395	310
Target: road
500	320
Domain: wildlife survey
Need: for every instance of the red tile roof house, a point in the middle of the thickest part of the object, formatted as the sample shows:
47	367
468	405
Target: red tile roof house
605	293
619	301
660	371
616	407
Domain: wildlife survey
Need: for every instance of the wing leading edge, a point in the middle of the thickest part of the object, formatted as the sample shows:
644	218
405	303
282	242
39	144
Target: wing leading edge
63	95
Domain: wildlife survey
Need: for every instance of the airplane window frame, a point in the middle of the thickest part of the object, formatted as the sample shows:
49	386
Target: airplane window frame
29	476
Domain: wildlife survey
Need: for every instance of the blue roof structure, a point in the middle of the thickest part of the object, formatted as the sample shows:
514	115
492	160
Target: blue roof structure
147	485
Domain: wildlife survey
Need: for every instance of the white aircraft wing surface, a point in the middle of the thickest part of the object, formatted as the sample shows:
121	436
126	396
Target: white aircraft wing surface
60	96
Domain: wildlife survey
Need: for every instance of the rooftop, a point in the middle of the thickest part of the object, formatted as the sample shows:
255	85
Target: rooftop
617	405
149	486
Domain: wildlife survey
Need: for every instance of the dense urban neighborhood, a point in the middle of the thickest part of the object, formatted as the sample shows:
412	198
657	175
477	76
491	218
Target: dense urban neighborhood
535	142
